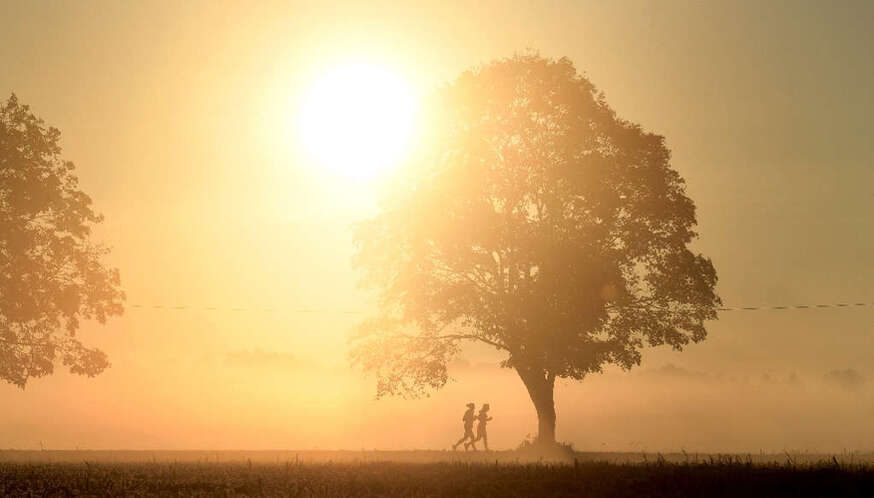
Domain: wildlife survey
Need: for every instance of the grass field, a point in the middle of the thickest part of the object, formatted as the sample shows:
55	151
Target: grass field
408	474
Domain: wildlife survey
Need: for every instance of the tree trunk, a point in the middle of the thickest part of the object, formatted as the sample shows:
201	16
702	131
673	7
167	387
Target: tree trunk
540	387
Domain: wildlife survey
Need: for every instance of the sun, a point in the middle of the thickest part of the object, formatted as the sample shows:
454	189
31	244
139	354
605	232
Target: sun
356	120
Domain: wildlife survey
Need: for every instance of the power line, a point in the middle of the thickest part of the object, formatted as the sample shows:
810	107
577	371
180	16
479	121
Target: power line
357	312
241	309
796	307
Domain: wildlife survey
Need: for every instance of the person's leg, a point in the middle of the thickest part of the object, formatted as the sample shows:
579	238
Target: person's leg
479	435
465	437
468	438
485	437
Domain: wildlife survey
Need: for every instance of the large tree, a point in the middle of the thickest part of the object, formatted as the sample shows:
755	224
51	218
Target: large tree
536	221
51	274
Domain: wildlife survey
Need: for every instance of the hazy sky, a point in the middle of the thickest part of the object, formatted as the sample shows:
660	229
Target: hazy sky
180	117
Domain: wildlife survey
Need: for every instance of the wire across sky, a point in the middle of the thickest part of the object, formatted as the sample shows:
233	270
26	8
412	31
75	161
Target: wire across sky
356	312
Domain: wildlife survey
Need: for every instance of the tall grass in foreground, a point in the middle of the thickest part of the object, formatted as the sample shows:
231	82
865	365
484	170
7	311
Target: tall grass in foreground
714	477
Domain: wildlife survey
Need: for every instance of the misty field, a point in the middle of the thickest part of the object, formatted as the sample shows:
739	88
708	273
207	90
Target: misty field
409	474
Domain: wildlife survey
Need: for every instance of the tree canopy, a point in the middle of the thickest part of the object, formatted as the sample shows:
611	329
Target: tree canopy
536	221
51	273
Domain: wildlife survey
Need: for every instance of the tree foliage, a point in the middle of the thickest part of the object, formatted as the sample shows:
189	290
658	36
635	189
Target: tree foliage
51	274
535	221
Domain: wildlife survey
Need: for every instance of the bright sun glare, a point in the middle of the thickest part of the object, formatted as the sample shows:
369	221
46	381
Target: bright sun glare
357	120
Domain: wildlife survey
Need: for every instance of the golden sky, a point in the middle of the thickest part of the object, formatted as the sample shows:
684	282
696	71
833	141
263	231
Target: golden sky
180	117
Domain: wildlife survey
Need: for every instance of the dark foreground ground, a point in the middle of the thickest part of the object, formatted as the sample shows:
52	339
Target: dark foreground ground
134	474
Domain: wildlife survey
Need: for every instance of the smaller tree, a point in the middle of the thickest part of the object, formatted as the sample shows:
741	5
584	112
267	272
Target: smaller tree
51	274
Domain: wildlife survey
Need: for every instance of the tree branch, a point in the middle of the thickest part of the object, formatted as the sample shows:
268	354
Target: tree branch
470	337
474	338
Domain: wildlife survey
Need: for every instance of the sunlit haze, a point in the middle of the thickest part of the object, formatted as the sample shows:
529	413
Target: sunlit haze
234	148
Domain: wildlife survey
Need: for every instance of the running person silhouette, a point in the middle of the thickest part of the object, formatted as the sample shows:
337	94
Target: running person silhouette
483	418
468	427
